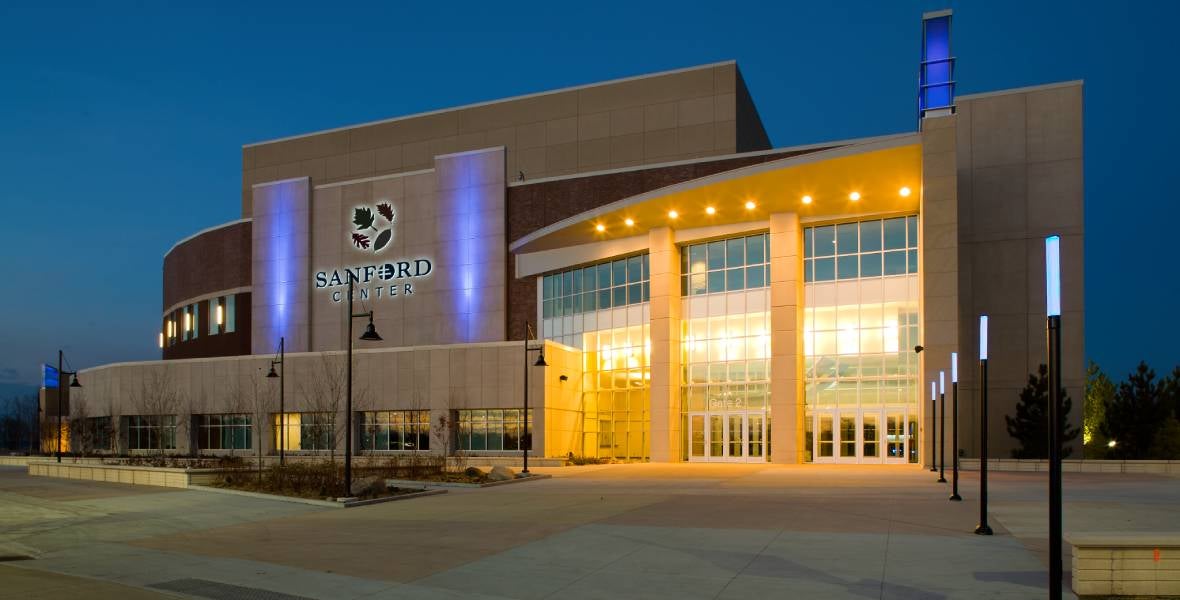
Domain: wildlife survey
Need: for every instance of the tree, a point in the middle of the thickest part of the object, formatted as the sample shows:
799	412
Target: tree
1031	424
1135	413
1099	391
326	394
157	400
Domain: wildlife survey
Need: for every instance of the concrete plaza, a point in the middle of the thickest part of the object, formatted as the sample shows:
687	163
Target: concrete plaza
639	531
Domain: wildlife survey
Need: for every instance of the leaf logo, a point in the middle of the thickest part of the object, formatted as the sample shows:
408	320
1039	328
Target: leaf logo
365	221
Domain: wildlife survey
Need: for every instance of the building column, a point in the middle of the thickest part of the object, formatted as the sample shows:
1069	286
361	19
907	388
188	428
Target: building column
786	339
939	274
665	323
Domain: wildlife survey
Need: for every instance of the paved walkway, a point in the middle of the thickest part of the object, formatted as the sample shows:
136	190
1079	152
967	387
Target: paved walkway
642	531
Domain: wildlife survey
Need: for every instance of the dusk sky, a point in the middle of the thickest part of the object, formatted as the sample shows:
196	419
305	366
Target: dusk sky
121	124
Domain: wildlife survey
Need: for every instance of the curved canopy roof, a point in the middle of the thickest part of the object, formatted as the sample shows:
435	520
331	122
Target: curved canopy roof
876	170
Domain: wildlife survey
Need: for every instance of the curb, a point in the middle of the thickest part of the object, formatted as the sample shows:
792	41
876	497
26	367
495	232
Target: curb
313	502
454	484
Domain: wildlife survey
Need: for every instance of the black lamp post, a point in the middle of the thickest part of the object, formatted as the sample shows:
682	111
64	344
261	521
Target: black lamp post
370	335
942	426
524	434
74	384
983	528
933	427
955	427
282	388
1053	335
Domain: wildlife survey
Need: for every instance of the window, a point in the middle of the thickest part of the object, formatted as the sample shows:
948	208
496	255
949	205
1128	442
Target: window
305	431
216	316
494	430
224	432
396	430
151	432
95	434
877	248
605	285
230	314
725	265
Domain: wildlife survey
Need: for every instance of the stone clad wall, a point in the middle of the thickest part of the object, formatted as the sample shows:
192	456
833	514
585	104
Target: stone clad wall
1019	164
657	118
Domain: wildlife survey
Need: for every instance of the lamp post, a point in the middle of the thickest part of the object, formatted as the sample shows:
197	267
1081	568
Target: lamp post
955	427
524	448
983	528
933	427
370	335
282	404
1053	335
74	384
942	426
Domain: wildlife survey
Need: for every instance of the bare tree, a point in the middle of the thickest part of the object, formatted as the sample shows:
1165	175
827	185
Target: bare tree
158	399
324	393
257	400
82	435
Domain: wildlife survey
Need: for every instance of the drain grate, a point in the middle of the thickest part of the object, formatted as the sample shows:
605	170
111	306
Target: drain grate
215	589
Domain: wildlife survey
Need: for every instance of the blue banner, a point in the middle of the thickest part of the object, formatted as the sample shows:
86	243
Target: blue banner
49	377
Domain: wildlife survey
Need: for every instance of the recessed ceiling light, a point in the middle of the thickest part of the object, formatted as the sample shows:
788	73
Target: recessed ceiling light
807	199
854	196
600	227
673	214
709	210
750	205
904	191
630	222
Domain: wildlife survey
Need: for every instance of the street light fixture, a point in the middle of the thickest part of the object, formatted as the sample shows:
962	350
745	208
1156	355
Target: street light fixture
983	528
282	403
933	427
1053	335
524	434
942	426
370	335
74	384
955	427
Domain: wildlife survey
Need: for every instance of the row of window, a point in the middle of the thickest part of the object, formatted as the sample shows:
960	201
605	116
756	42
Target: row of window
609	284
876	248
725	265
478	430
184	323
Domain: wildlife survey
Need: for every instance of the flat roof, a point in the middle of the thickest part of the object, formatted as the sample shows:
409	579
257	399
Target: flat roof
497	101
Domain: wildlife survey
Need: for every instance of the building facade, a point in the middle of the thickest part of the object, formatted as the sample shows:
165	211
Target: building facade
698	294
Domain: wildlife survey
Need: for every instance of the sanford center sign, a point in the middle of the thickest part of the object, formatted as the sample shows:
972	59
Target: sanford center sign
387	280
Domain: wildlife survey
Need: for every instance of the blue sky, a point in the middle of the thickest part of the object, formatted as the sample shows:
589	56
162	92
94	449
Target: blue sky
121	124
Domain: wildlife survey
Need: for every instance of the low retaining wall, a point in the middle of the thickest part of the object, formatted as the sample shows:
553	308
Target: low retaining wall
1159	467
1125	564
176	478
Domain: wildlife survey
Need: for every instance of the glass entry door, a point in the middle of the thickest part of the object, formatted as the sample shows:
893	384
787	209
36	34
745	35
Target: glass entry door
727	437
865	435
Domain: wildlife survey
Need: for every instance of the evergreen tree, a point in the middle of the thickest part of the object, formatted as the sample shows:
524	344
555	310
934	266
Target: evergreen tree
1135	413
1031	424
1099	390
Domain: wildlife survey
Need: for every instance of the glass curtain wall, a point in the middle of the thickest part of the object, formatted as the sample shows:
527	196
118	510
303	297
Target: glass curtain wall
860	327
725	340
603	310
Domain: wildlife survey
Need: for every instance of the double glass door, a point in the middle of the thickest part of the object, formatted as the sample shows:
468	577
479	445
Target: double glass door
862	435
727	436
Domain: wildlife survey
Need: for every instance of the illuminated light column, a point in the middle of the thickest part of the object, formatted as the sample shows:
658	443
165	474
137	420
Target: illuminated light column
665	320
983	528
955	427
942	426
933	427
786	339
1053	335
